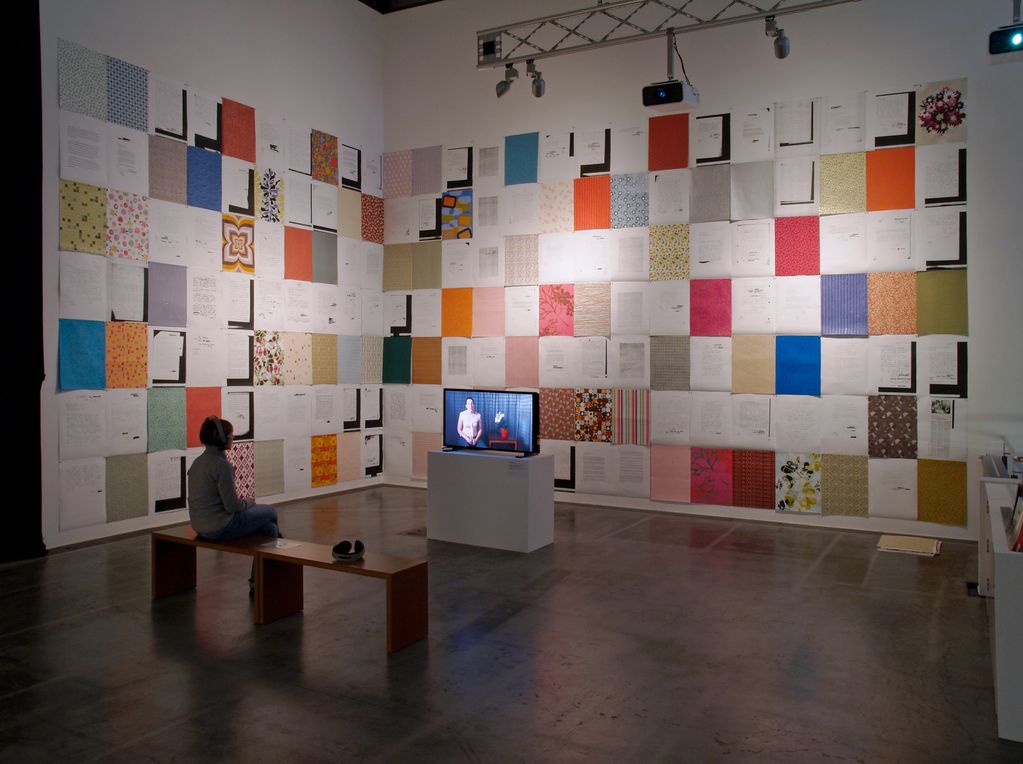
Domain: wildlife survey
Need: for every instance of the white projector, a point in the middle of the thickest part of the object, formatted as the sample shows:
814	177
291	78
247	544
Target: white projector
671	96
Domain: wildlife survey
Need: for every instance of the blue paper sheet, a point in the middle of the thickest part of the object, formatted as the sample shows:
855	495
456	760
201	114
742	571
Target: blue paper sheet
797	365
83	355
520	158
203	179
844	305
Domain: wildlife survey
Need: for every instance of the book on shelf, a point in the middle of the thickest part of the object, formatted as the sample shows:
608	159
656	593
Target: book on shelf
1015	531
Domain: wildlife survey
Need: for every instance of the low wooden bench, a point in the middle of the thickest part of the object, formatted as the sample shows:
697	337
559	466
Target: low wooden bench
279	587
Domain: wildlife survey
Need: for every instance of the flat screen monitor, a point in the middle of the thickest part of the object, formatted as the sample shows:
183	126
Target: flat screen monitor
496	420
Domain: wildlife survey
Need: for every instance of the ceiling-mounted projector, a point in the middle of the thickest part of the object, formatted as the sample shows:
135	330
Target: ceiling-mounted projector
671	96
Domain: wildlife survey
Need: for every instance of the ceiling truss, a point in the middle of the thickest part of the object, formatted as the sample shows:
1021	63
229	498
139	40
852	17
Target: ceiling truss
622	21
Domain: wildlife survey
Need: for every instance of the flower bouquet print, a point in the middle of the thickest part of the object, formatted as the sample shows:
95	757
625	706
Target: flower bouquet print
797	486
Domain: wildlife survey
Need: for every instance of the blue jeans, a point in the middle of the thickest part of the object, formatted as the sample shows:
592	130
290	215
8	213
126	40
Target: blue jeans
259	519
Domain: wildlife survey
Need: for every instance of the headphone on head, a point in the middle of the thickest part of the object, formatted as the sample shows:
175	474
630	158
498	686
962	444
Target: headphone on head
221	435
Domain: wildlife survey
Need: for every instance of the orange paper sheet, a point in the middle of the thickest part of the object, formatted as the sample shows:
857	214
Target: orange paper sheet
593	203
669	142
200	402
891	177
456	312
426	360
298	254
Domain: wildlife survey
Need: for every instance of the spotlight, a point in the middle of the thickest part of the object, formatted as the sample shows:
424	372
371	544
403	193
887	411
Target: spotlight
510	74
781	40
539	86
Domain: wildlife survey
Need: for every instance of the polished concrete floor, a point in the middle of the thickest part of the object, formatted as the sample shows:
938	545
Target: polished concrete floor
636	637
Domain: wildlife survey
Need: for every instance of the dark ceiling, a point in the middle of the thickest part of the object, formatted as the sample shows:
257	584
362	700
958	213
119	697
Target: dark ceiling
389	6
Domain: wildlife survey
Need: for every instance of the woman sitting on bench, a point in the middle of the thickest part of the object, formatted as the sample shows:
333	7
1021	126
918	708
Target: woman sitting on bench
214	508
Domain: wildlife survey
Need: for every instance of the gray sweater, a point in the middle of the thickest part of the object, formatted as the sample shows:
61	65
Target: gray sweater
211	496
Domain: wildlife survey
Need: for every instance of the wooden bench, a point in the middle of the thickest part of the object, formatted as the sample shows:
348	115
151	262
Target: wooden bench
279	578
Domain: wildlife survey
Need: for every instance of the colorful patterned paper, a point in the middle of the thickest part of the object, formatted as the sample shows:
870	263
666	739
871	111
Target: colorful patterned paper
323	459
297	351
127	95
630	200
710	308
798	483
82	80
456	214
397	174
891	303
372	360
669	363
594	415
844	485
521	260
892	426
165	412
238	244
127	217
844	305
241	456
797	246
843	183
669	252
557	207
557	310
372	219
268	358
753	479
270	196
557	413
127	355
711	476
592	310
168	170
324	350
323	157
83	226
630	423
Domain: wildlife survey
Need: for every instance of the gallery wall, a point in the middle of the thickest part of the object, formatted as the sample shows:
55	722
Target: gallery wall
319	66
868	46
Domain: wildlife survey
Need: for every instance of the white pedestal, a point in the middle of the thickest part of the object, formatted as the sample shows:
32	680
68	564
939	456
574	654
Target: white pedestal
491	500
1007	628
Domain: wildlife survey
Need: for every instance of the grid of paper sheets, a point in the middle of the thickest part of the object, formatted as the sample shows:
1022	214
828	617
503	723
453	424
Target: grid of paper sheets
770	299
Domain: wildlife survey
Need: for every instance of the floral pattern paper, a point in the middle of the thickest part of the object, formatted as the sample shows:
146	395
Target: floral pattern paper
798	483
891	303
521	260
127	218
270	205
323	155
669	252
594	411
630	200
397	174
323	460
238	244
127	354
892	426
557	310
557	207
711	476
268	358
372	219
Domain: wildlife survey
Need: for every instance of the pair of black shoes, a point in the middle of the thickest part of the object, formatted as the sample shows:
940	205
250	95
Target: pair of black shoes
346	551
